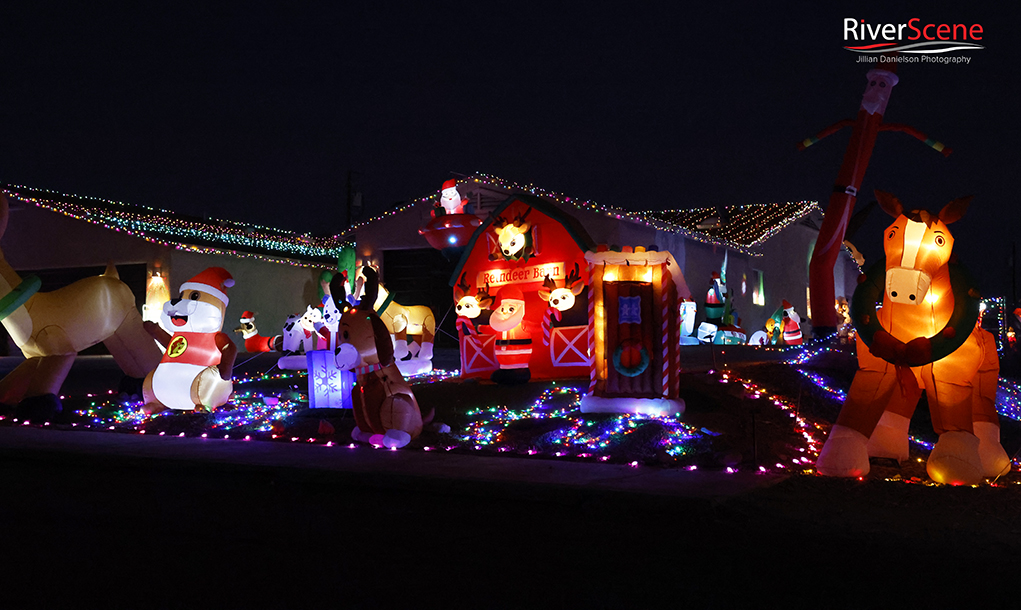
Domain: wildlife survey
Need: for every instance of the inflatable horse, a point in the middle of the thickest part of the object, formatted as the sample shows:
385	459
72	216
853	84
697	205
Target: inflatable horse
924	336
52	327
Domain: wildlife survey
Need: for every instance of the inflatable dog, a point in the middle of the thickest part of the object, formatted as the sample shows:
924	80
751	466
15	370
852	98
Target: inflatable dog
195	372
385	409
254	342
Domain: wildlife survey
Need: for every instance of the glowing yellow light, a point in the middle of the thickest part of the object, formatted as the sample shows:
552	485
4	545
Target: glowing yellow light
932	297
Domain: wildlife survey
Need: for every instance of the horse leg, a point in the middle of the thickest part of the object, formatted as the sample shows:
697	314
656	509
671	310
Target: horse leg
41	401
132	348
400	339
985	420
876	387
14	386
955	458
428	337
50	375
890	437
846	452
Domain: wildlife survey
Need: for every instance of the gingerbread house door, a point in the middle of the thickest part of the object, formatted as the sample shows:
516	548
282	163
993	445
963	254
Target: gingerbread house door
630	333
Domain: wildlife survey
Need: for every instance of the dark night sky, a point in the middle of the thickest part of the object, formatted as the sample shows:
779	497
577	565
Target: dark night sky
257	112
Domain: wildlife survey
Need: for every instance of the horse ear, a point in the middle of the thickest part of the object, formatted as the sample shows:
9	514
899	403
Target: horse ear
890	204
953	211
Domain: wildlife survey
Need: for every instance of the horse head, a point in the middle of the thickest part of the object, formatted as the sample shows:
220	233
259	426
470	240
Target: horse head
918	244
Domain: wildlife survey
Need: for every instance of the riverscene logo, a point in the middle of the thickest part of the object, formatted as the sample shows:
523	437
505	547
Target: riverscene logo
914	37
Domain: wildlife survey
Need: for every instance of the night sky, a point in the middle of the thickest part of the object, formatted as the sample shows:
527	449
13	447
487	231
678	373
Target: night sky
258	112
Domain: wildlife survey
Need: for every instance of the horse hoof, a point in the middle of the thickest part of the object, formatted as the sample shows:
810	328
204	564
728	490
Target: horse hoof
990	452
955	459
845	454
361	437
39	409
890	438
396	438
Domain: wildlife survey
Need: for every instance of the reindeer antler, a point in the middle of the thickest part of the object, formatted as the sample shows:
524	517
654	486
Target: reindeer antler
573	277
484	292
462	284
549	283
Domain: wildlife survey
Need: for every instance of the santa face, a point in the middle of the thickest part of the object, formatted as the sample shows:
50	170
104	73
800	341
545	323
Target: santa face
508	315
451	200
194	312
792	315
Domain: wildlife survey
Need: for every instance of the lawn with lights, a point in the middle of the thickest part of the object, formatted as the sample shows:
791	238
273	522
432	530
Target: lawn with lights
765	418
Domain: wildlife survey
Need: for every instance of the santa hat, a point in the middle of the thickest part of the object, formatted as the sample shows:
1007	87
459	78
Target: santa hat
247	317
716	275
510	293
449	184
787	305
214	280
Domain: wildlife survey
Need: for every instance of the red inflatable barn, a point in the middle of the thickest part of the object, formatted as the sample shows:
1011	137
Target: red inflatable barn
521	296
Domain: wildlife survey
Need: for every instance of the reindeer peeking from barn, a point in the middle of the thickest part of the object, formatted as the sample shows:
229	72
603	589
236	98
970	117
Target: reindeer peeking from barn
560	299
470	306
515	239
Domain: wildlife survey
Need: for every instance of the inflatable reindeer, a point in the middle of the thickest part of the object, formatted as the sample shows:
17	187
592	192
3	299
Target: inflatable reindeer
52	327
559	299
514	239
923	336
469	307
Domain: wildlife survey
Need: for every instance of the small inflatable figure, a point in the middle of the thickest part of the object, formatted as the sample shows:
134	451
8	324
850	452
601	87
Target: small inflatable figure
791	325
450	199
254	342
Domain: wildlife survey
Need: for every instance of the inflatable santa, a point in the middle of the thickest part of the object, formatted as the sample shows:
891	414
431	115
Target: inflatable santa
513	336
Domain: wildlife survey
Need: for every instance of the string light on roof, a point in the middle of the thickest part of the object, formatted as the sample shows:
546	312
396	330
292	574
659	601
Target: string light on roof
747	225
778	216
162	226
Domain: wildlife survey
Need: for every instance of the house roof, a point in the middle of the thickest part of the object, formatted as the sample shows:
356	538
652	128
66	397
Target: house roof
187	232
745	226
742	228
